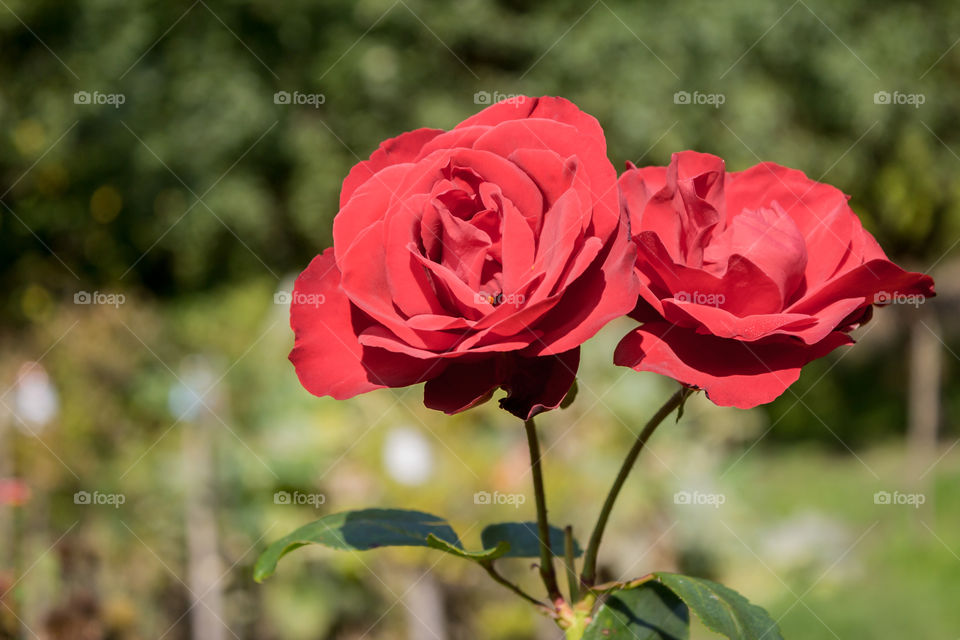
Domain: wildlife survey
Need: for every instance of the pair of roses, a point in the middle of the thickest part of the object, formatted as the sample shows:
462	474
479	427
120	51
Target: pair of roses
483	257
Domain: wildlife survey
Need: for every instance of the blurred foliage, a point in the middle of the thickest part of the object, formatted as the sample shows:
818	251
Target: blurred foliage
199	179
199	197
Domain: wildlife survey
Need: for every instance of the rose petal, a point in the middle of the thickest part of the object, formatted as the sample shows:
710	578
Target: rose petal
733	373
369	205
463	385
770	240
326	353
561	229
602	293
566	141
364	280
379	337
518	246
743	288
723	324
697	181
524	108
457	296
638	190
552	173
404	148
410	287
392	369
536	385
864	283
458	137
819	210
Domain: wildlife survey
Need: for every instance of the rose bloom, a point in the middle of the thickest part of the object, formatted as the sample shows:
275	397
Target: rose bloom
747	276
473	259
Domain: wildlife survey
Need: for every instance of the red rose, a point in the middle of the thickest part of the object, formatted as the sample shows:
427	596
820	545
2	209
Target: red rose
472	259
747	276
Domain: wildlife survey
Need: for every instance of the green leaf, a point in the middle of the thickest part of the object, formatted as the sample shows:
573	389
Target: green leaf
359	531
722	609
650	612
478	556
524	539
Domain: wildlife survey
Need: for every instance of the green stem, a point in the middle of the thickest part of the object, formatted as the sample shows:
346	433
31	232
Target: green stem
576	630
589	575
573	582
492	571
547	573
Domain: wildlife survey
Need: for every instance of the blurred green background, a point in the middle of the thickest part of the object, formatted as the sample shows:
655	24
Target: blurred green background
146	168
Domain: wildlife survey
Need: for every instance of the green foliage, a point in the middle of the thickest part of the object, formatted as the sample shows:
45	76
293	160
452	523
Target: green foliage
649	612
524	539
375	528
657	606
359	531
484	555
722	609
210	181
